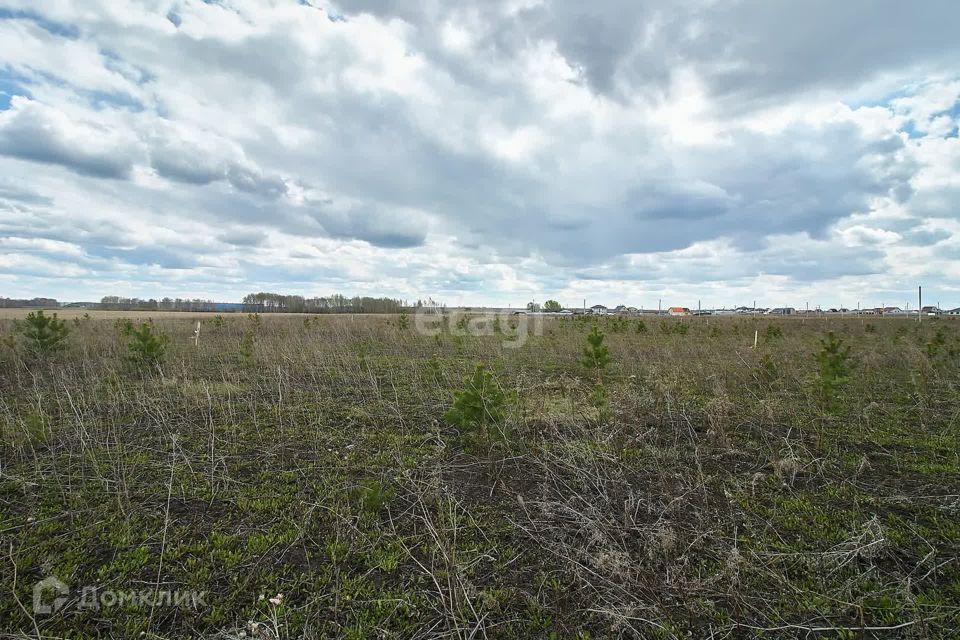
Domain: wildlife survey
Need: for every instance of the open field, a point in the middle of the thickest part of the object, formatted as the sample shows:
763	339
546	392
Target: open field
692	487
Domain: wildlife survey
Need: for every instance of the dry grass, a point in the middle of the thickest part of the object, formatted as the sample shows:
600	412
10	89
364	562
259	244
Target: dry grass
714	496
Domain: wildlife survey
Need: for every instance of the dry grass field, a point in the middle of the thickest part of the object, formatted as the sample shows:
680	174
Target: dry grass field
307	477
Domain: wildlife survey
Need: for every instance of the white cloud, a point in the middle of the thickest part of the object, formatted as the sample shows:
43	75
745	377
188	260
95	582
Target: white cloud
482	153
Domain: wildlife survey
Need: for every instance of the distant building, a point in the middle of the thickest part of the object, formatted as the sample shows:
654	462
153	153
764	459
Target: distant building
599	310
954	312
235	307
678	311
931	311
782	311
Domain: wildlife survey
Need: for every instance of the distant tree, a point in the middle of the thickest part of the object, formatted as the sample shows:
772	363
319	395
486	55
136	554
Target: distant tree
533	306
551	305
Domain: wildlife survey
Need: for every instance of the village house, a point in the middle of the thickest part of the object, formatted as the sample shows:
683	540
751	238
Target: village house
678	311
599	310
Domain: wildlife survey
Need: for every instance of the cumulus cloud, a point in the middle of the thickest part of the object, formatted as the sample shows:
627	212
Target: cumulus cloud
33	131
482	151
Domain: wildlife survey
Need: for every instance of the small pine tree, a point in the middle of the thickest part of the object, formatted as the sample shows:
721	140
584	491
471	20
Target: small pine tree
765	373
479	410
124	326
834	361
246	347
146	347
44	334
596	356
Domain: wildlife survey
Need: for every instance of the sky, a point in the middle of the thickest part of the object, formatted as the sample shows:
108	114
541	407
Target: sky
486	152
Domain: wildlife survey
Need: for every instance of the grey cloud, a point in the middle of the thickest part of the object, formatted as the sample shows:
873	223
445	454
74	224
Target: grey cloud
243	237
13	193
379	227
30	133
184	162
920	237
750	52
146	255
250	181
185	167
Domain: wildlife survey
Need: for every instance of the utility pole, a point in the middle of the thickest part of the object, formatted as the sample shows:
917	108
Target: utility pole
919	304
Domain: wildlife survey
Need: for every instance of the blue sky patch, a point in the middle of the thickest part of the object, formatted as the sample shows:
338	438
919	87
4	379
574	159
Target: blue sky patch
11	85
55	28
103	100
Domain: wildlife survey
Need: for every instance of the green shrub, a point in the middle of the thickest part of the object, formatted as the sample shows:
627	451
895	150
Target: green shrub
146	347
44	334
403	322
774	331
479	410
641	326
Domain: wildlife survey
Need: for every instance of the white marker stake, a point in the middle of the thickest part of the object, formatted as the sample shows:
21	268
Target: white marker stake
755	334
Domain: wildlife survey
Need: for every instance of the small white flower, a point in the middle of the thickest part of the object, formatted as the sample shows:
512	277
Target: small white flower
276	600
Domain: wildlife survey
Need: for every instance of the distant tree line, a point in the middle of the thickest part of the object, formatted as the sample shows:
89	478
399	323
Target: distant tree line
118	303
336	303
262	302
13	303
